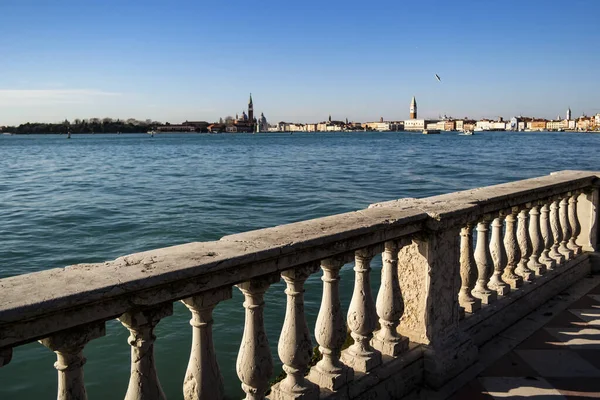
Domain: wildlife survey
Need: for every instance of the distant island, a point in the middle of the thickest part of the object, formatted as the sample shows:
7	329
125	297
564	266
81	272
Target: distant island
92	125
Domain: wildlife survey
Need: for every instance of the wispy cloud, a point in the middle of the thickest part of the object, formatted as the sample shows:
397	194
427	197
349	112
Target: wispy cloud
30	97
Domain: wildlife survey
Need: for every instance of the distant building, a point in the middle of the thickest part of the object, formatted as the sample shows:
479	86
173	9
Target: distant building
413	108
245	123
263	125
568	118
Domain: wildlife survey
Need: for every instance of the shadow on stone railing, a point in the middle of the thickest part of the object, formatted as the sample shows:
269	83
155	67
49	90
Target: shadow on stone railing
440	297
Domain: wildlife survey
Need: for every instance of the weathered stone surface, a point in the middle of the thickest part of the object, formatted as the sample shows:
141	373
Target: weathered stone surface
203	380
143	382
68	346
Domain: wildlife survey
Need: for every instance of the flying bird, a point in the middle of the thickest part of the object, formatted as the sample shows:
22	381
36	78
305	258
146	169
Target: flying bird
438	77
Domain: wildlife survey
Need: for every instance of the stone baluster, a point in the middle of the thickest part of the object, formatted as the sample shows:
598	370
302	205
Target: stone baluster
203	380
556	233
362	317
390	305
536	241
563	214
524	246
294	347
5	356
254	364
546	232
499	258
330	331
513	253
68	346
483	259
574	222
468	271
143	381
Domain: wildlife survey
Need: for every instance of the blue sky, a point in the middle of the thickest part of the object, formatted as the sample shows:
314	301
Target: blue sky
198	60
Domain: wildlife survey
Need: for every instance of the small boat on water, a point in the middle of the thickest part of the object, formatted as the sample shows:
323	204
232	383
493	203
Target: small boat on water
68	135
431	131
468	132
151	133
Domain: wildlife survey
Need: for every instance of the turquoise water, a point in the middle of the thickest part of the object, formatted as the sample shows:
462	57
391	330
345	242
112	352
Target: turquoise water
97	197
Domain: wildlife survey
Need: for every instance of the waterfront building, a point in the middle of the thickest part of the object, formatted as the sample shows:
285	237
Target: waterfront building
263	125
414	124
596	121
538	125
413	108
449	125
557	125
245	123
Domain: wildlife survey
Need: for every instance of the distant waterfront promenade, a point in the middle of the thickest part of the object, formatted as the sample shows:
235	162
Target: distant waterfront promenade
102	196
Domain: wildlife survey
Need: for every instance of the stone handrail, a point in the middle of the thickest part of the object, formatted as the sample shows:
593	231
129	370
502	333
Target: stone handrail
436	290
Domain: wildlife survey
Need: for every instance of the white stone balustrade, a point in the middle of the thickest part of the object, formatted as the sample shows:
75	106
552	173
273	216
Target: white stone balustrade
524	246
555	252
362	317
546	257
483	259
513	252
254	363
563	214
536	239
143	382
468	271
203	380
425	262
574	224
295	347
68	346
499	258
390	305
330	331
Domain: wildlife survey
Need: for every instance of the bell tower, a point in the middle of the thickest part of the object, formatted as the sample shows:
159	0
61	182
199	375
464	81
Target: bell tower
413	108
250	109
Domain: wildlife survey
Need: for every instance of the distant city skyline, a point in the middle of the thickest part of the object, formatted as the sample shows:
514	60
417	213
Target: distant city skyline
302	62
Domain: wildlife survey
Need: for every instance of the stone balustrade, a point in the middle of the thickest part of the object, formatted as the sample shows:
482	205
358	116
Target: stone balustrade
456	270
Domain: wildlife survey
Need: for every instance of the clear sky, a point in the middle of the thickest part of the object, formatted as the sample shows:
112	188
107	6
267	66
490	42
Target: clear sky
302	60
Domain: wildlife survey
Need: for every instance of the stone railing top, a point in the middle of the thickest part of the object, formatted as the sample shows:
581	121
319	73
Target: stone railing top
38	304
464	206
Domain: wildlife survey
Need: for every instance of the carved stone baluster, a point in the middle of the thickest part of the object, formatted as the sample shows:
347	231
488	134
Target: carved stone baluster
68	346
563	213
499	257
545	229
484	264
254	362
525	247
556	233
468	271
203	378
536	241
574	222
330	331
362	317
295	348
390	305
513	253
143	381
5	356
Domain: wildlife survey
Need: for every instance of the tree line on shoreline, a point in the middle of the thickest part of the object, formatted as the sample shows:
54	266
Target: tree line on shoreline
92	125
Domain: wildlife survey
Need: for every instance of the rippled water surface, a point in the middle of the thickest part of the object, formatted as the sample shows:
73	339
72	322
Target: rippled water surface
97	197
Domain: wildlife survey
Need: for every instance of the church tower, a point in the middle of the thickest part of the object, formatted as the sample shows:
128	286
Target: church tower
413	108
568	114
250	109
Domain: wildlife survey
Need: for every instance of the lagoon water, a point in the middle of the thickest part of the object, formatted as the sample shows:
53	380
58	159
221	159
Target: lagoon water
97	197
